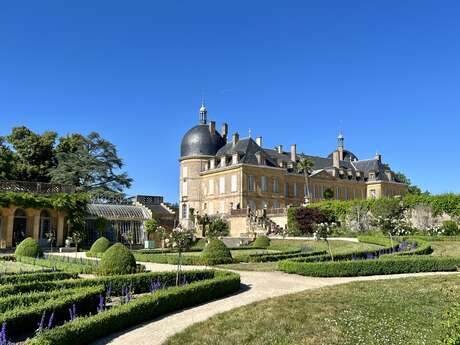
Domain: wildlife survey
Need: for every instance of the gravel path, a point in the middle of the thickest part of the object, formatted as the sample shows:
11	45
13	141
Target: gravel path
256	286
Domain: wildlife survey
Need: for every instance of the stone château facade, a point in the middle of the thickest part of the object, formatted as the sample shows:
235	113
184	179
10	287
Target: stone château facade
220	175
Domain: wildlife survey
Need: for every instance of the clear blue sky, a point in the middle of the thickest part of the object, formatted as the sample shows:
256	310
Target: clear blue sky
386	72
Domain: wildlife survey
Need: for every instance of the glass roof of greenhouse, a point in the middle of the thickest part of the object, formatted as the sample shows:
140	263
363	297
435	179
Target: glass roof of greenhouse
118	212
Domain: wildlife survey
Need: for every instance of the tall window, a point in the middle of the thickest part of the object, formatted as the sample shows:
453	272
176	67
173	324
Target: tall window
252	204
276	185
184	188
251	184
263	183
286	189
184	211
185	172
276	204
222	185
211	187
295	189
234	184
45	224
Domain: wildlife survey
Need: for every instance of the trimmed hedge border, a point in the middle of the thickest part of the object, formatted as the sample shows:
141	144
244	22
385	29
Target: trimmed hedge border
142	309
25	319
71	265
283	255
413	264
34	276
139	282
16	300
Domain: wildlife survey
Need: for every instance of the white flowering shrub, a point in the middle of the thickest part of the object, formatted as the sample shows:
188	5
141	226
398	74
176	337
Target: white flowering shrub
422	218
358	219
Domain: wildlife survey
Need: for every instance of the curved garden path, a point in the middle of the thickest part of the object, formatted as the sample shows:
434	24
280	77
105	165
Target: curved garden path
256	286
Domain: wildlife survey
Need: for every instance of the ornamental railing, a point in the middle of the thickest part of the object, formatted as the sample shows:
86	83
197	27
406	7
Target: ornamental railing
35	187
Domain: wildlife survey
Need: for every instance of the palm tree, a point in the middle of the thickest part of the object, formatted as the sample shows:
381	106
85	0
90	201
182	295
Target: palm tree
305	165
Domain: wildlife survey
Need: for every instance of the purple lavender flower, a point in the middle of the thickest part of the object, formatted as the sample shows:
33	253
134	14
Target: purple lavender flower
3	339
41	324
369	256
155	285
101	305
108	292
73	312
50	321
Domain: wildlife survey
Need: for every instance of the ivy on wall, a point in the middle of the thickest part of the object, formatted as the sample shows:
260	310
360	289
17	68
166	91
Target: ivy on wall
74	204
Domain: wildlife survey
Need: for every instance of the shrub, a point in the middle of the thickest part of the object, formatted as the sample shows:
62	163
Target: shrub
34	277
139	282
117	260
23	320
371	267
28	247
270	257
303	220
100	246
450	228
215	253
216	228
261	242
20	300
145	308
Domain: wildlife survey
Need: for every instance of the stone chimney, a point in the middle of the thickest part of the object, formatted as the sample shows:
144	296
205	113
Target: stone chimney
336	159
212	127
225	131
378	157
235	158
279	148
293	152
259	141
223	162
259	158
235	138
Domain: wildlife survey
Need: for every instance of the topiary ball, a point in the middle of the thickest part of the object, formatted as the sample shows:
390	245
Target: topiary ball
117	260
100	246
261	242
28	247
215	253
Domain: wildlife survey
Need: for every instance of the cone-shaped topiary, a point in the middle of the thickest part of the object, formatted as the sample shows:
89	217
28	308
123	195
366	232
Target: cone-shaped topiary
215	253
261	242
117	260
28	247
100	246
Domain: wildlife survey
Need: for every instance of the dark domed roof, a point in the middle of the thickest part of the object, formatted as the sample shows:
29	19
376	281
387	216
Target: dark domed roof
347	156
199	141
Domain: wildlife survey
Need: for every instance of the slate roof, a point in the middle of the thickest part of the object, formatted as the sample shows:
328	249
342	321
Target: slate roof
247	149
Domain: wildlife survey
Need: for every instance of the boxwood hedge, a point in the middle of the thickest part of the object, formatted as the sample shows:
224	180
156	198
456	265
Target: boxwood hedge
371	267
25	319
34	276
139	283
25	299
145	308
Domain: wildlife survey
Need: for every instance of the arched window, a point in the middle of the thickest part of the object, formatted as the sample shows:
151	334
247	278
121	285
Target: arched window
45	226
184	211
19	226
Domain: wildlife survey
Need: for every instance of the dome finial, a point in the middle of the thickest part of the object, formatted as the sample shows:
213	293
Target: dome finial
203	112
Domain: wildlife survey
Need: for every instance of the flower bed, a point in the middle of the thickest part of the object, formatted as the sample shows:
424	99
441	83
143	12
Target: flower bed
34	276
139	282
23	320
370	267
88	329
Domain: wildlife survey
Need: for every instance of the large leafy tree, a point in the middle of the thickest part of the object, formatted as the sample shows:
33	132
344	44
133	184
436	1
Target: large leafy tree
412	189
33	154
6	161
91	164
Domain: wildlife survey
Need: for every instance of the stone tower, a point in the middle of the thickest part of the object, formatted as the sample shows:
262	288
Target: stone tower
199	144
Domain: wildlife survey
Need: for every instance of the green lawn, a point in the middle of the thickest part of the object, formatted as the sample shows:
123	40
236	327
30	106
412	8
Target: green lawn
393	312
338	247
446	248
12	266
